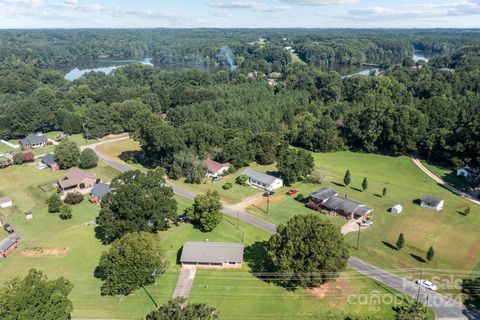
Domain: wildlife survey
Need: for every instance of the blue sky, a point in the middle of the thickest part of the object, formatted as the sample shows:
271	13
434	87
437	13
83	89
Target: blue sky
239	13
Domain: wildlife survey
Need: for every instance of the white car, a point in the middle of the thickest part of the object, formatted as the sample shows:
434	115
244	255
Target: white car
426	284
366	223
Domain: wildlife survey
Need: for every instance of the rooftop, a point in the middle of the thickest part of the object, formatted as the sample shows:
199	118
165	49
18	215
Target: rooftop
212	252
214	166
74	177
6	243
33	139
100	190
262	177
323	194
49	159
5	200
431	200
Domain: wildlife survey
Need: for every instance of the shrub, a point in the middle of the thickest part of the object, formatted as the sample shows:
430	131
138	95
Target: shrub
241	180
227	186
28	156
54	203
73	198
300	197
66	212
18	158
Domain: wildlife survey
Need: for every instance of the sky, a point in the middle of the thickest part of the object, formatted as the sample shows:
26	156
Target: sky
239	14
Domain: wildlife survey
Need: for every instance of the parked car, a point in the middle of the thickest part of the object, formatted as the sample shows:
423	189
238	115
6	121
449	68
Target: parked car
268	193
426	284
366	223
292	192
181	218
216	178
8	228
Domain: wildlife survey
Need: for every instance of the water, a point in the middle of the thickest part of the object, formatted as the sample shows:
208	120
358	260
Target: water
364	72
419	55
106	67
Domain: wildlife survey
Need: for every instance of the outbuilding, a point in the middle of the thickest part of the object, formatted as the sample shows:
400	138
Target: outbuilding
396	209
212	255
8	244
432	203
5	202
28	215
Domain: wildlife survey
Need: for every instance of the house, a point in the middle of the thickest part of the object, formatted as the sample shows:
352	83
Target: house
28	215
432	203
396	209
262	180
99	191
77	180
216	255
329	200
49	160
215	169
8	244
5	202
469	174
33	141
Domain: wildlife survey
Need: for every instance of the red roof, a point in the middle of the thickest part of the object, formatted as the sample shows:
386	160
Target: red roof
214	166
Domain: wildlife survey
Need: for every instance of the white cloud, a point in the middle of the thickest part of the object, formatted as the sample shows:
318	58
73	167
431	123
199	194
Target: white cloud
250	5
319	2
33	3
222	14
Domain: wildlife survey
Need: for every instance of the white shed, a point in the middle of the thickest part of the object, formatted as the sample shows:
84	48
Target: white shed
396	209
5	202
28	215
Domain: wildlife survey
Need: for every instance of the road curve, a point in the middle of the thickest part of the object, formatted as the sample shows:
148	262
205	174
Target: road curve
444	307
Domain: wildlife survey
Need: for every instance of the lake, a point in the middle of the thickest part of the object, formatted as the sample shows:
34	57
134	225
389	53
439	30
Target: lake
107	67
419	55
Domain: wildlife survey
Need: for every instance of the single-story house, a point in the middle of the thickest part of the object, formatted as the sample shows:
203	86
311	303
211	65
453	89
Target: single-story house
77	180
328	199
469	174
28	215
216	255
5	202
432	203
33	141
99	191
8	244
262	180
215	169
49	160
396	209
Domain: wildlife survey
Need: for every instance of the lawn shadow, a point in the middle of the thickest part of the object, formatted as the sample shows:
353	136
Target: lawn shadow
255	256
418	258
276	174
389	245
179	256
338	184
378	195
261	209
356	189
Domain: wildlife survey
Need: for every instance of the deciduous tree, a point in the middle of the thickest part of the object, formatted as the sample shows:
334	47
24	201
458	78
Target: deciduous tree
88	159
54	203
178	309
67	154
205	211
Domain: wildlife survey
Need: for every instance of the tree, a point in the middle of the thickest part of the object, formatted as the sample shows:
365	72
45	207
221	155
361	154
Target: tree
50	297
471	287
308	250
178	309
384	192
28	156
430	254
65	212
67	154
347	179
205	211
88	159
141	202
466	212
400	241
413	311
133	261
18	158
294	164
54	203
241	180
317	176
73	198
364	184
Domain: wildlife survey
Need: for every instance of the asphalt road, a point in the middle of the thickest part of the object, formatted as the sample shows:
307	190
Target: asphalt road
444	307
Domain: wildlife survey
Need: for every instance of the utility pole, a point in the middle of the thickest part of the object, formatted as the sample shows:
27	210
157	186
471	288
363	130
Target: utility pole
419	284
358	237
268	202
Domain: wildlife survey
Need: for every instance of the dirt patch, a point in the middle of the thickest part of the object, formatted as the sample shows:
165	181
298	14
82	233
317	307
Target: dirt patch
45	252
329	288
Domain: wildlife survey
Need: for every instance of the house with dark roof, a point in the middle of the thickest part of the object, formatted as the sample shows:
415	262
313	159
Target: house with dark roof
215	169
99	191
470	174
77	180
262	180
49	161
212	255
9	244
329	200
33	141
432	202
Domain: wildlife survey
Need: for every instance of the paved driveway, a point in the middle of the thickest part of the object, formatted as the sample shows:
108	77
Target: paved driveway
184	282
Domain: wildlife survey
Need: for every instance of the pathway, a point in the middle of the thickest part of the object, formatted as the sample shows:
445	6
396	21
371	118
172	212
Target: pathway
441	182
444	307
184	282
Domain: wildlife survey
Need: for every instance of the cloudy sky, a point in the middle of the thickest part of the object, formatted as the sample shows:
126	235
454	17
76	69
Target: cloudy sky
239	13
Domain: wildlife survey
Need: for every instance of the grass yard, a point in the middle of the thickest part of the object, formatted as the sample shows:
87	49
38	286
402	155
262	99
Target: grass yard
447	174
119	149
4	148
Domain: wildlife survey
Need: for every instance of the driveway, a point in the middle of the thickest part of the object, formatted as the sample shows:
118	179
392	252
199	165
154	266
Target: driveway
184	282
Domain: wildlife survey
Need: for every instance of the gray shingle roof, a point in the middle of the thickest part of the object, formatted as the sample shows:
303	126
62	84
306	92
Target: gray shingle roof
346	205
6	243
212	252
323	194
100	190
431	201
49	159
258	176
32	139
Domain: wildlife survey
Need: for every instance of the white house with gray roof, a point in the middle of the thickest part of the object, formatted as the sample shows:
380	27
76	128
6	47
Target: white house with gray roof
212	255
262	180
33	141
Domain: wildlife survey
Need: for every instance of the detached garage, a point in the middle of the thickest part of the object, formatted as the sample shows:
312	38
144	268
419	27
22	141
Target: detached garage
396	209
212	255
5	202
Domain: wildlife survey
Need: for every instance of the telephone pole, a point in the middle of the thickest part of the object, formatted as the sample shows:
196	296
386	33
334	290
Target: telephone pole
419	284
358	236
268	202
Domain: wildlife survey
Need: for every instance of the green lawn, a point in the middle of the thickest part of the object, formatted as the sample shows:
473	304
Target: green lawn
448	174
4	148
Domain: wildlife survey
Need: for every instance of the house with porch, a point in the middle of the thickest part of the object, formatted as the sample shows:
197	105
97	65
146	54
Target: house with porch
33	141
215	169
77	180
212	255
262	180
49	161
328	199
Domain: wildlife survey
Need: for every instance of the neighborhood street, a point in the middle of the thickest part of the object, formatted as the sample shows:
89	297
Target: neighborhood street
444	307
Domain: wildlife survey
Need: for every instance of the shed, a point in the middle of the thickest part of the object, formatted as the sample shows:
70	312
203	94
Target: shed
5	202
396	209
8	244
432	203
28	215
217	255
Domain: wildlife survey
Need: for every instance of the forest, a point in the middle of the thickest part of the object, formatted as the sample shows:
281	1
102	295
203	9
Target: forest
181	117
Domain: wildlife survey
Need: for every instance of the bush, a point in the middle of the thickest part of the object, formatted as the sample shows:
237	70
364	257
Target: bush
300	197
66	212
241	180
227	186
28	156
54	203
18	158
73	198
88	159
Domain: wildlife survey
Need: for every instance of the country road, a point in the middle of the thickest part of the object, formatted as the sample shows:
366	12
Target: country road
444	307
